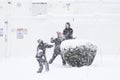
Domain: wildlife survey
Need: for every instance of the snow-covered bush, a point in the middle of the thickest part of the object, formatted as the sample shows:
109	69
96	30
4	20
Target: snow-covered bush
78	53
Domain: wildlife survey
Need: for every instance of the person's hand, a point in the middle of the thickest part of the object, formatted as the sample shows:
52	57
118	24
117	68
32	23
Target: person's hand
51	40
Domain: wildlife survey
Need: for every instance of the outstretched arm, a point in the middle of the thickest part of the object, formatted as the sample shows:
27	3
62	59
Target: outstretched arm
48	45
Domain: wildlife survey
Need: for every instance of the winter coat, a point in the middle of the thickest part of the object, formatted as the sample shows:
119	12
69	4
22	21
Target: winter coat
67	32
57	42
41	49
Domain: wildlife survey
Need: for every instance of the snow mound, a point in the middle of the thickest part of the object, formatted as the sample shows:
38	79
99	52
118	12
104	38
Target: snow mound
72	43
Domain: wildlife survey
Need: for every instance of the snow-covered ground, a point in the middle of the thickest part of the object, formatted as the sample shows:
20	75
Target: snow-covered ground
103	68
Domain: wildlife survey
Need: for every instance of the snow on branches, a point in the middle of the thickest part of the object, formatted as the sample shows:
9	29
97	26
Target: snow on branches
78	53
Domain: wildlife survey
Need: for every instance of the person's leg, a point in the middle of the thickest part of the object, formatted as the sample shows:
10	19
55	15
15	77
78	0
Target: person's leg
41	67
46	65
53	57
63	61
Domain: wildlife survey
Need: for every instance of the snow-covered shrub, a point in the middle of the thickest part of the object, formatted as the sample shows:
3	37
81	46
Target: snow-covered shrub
78	53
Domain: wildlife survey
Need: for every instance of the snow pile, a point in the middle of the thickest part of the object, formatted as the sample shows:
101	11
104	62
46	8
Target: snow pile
78	52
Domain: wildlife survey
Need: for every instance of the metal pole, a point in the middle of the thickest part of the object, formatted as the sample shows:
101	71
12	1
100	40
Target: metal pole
7	29
6	38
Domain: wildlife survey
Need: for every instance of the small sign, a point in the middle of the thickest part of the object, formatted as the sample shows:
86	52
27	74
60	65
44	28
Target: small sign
20	33
1	32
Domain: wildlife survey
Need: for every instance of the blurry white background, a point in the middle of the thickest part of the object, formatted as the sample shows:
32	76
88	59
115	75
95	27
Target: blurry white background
96	20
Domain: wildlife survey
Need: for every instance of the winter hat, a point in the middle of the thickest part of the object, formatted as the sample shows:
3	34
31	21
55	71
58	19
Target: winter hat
59	33
39	40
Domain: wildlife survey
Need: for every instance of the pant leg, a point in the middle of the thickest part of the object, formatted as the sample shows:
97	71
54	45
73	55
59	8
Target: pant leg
46	65
40	66
63	60
53	57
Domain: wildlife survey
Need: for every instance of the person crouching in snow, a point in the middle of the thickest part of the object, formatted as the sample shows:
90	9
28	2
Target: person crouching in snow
57	51
41	57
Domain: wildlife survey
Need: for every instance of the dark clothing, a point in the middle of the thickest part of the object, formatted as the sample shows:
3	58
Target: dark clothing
43	46
68	33
41	57
41	63
57	50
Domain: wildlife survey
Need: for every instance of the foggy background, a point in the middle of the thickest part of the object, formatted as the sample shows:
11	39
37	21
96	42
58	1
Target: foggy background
94	20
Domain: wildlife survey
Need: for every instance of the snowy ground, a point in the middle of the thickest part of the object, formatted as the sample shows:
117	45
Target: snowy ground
105	67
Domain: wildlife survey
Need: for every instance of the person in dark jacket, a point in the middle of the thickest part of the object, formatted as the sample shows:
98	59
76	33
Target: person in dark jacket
41	57
68	31
57	50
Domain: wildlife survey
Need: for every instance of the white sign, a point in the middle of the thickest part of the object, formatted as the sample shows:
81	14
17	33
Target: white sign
39	8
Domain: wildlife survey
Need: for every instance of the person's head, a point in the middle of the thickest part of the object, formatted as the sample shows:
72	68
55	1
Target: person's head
40	41
67	25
